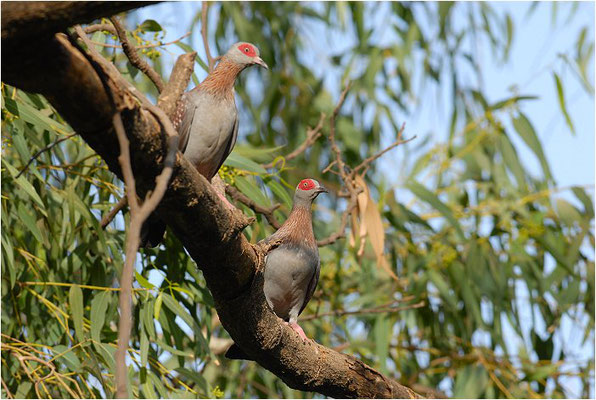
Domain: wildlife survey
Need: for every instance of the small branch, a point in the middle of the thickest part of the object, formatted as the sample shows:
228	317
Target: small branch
134	58
204	10
266	212
100	27
138	214
40	152
109	217
369	160
179	79
372	310
8	394
311	137
143	46
341	230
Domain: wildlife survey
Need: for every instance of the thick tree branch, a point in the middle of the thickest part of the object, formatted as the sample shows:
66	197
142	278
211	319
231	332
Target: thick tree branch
88	96
23	19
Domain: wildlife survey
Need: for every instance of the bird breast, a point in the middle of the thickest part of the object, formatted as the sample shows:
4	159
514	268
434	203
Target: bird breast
288	271
211	131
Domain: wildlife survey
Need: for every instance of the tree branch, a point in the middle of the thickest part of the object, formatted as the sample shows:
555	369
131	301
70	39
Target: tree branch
266	212
134	58
204	10
58	70
142	46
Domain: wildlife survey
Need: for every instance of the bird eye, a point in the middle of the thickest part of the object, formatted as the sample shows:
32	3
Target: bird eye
246	49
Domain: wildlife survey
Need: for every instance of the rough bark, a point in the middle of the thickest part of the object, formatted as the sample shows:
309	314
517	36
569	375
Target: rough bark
87	97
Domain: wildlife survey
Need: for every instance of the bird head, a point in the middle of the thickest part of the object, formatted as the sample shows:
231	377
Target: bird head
246	54
308	190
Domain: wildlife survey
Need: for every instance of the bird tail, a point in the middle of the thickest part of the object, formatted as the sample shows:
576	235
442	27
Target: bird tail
152	231
236	353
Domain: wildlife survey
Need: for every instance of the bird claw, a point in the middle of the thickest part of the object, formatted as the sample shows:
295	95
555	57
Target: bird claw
298	330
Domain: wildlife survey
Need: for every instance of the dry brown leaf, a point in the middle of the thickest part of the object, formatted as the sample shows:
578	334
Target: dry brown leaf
370	218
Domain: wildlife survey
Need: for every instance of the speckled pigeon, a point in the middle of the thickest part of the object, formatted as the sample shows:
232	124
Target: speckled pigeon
207	122
292	268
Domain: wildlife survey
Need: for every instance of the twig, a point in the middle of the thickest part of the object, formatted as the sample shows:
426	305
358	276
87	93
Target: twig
204	10
311	137
341	229
8	394
266	212
372	310
138	213
100	27
109	217
134	58
38	153
334	147
143	46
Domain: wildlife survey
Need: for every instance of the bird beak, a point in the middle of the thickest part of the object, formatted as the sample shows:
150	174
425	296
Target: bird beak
260	62
322	189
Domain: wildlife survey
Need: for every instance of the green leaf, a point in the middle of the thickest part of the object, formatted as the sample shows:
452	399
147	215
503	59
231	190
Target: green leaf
27	187
150	25
509	30
158	385
237	161
157	307
144	348
171	349
470	382
279	191
251	189
561	97
143	282
194	377
580	193
68	357
36	118
75	297
526	131
147	318
510	101
382	333
511	160
567	212
446	294
99	306
177	309
28	219
427	196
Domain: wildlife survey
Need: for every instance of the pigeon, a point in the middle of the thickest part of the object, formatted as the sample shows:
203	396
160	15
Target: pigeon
292	268
207	121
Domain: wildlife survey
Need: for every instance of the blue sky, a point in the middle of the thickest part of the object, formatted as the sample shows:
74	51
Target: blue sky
537	42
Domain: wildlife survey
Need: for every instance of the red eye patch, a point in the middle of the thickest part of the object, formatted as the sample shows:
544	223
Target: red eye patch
247	49
306	184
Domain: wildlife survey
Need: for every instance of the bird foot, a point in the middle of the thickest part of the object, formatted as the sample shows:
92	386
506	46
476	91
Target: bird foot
225	200
298	330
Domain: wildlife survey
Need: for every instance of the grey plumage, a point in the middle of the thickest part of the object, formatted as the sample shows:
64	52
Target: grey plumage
292	269
207	121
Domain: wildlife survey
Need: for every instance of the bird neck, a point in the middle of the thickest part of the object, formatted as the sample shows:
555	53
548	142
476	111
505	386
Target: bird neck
220	82
298	227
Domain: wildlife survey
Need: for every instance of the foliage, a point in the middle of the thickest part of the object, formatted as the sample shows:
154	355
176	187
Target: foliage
480	243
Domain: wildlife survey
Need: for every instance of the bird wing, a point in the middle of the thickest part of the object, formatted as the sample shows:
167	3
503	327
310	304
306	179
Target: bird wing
229	145
183	118
312	285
